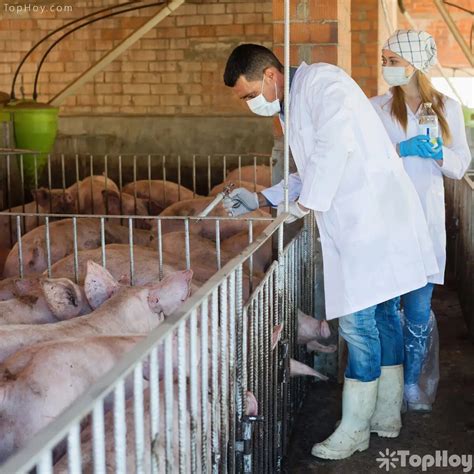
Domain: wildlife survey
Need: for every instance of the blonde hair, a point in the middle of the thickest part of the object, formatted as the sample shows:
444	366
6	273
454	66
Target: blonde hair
428	94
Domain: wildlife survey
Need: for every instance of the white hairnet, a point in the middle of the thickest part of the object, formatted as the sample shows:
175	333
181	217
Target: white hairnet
417	47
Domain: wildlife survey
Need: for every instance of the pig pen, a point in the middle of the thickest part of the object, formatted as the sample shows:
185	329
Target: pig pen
184	399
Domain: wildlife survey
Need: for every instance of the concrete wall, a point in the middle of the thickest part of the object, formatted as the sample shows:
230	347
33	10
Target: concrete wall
161	134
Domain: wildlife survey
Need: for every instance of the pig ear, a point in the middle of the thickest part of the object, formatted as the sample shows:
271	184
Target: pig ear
63	297
168	294
112	199
41	196
99	284
276	334
251	404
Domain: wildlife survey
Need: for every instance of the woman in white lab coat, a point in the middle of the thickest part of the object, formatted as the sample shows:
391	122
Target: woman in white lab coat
406	57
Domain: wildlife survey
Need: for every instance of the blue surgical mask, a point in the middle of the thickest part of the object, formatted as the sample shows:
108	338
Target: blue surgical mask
260	106
396	76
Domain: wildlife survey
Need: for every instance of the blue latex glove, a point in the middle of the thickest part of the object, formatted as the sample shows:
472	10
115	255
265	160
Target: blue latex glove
240	201
437	153
417	146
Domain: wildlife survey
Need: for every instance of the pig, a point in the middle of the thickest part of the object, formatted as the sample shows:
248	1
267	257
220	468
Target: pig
256	188
146	262
237	243
205	228
161	193
62	243
310	328
50	301
39	382
86	193
298	368
264	177
126	205
130	310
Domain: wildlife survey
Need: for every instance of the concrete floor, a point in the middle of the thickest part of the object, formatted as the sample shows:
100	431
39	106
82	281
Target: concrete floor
449	427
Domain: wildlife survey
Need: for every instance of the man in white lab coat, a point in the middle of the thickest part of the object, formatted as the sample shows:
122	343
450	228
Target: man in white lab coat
374	237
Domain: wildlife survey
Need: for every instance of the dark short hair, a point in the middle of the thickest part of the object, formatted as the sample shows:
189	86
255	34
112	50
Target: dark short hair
249	60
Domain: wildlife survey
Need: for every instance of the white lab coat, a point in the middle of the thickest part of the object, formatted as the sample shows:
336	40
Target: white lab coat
426	174
374	238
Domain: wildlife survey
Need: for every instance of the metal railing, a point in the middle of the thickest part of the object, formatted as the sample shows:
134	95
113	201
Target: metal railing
194	418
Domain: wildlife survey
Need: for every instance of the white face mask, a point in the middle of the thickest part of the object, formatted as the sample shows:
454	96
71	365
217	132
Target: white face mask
396	76
260	106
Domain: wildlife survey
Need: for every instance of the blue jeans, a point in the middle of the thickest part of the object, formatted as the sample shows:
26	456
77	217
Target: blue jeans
374	338
417	308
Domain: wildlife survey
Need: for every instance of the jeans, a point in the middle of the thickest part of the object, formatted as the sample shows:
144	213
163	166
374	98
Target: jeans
417	308
374	338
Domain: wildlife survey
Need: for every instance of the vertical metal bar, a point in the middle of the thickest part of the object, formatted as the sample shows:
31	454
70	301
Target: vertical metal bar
204	384
224	168
255	173
224	434
154	407
193	381
20	246
232	374
102	242
251	257
98	436
179	177
78	201
106	175
160	250
215	382
164	180
218	244
139	419
267	341
48	245
120	179
75	248
74	450
130	243
169	419
120	429
35	167
134	185
194	176
45	465
22	184
209	179
49	181
186	244
63	174
91	173
286	54
182	411
149	182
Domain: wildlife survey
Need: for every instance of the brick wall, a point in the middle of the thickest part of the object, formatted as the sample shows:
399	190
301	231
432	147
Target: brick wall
320	31
176	69
426	16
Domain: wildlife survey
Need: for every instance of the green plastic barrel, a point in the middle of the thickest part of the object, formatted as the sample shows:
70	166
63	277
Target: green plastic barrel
36	127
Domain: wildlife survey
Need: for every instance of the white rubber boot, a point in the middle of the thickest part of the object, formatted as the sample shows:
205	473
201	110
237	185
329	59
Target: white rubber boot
353	434
415	399
386	420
